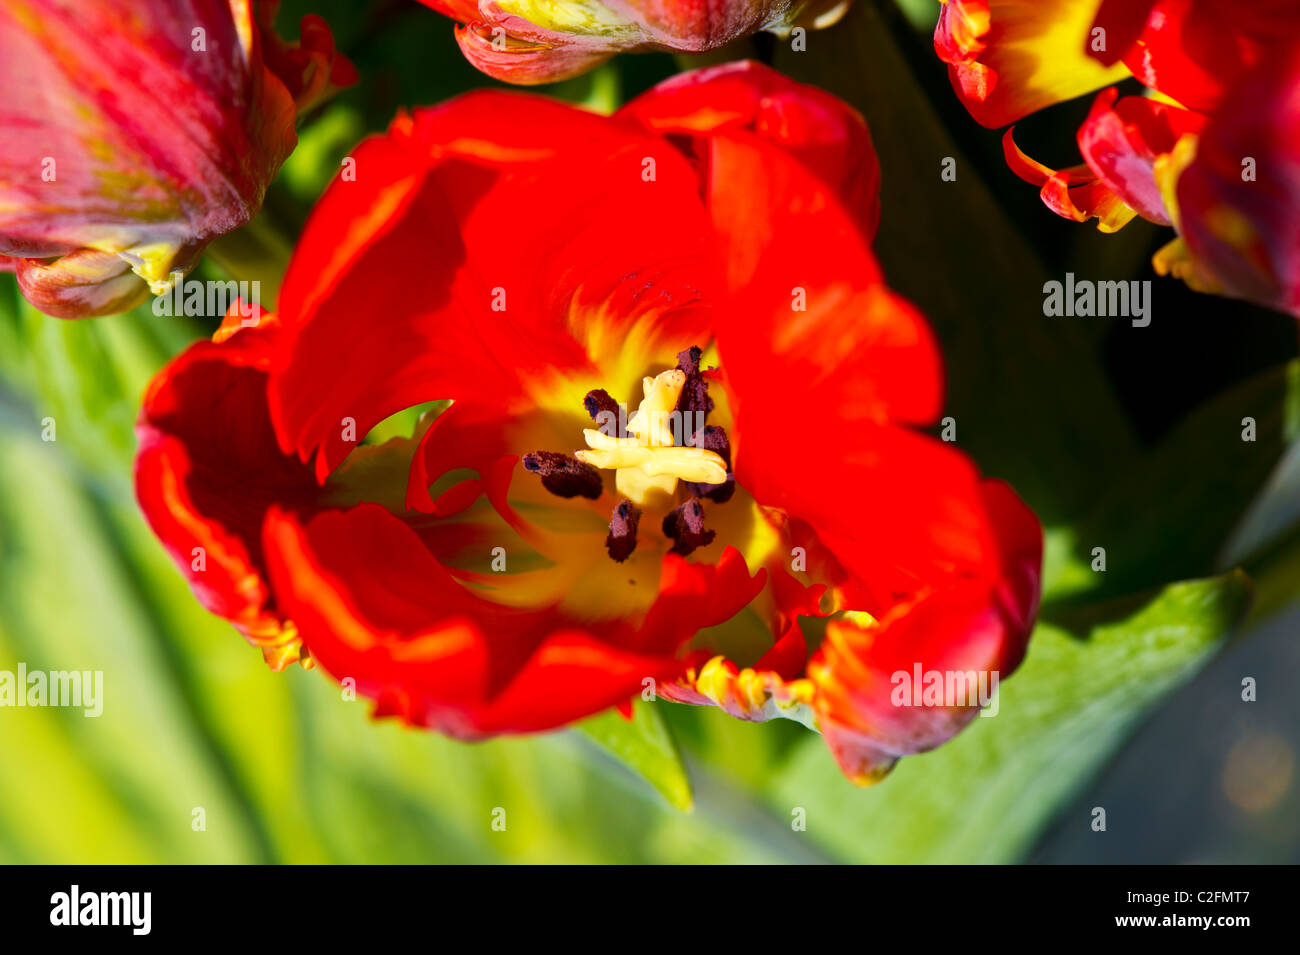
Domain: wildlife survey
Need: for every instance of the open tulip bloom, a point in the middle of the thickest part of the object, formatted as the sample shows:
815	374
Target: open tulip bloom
683	452
1212	149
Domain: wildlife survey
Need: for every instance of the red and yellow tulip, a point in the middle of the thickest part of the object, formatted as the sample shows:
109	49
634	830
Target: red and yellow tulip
531	41
1212	149
683	439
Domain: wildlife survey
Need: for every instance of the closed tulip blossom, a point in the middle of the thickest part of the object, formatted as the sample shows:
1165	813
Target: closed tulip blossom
529	42
683	454
1212	149
137	131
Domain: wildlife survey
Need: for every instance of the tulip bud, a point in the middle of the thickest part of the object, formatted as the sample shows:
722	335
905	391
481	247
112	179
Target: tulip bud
134	132
529	42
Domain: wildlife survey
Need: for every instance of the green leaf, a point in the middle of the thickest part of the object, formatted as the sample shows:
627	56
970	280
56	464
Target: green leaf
87	376
922	14
645	745
986	795
121	785
1170	514
1275	572
318	157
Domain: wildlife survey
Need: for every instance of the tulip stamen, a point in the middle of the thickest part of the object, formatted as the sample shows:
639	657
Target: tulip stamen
621	540
685	525
564	476
651	453
649	462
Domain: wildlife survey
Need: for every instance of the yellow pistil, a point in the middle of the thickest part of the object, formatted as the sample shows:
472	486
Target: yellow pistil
649	464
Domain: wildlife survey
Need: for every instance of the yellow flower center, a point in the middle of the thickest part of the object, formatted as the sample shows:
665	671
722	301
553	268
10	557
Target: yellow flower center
650	462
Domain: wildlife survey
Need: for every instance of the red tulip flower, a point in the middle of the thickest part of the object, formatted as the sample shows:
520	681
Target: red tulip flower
683	428
529	42
137	131
1213	150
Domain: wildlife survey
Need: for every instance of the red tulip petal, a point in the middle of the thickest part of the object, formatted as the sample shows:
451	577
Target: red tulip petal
977	624
1073	193
512	58
312	69
466	11
807	312
818	395
82	284
1034	172
465	436
373	604
415	245
693	596
694	27
1123	21
1245	228
1194	51
788	656
529	42
208	468
955	630
819	130
1120	143
1010	58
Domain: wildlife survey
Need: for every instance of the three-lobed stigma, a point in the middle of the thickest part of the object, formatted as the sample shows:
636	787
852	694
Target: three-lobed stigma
663	443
